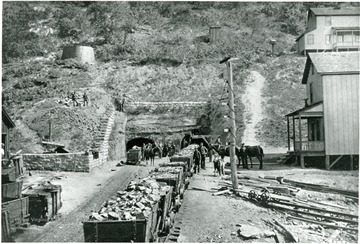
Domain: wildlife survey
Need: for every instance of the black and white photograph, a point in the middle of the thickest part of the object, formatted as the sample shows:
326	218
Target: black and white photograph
180	121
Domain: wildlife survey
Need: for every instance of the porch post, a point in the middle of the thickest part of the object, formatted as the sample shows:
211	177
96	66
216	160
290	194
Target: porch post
351	162
288	132
302	163
327	162
294	132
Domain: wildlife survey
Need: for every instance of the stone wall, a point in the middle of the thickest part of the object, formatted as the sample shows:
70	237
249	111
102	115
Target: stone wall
117	140
77	162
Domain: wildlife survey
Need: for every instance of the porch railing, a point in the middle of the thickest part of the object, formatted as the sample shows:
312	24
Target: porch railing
310	146
346	44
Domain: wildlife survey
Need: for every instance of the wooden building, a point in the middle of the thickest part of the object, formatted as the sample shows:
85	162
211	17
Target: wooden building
329	125
6	125
330	29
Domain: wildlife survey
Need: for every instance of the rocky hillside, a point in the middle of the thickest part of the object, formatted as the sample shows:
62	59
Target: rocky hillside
155	51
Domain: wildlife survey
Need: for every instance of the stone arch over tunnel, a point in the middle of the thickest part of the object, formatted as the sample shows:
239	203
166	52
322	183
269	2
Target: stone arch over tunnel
138	141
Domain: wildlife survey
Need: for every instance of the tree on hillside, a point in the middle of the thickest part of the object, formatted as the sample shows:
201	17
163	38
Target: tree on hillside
72	23
21	35
292	17
108	19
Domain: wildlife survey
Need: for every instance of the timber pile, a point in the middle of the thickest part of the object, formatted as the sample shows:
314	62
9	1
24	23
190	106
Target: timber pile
280	194
134	203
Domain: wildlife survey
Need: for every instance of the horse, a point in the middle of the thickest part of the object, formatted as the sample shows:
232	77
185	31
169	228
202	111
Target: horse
225	151
253	151
150	153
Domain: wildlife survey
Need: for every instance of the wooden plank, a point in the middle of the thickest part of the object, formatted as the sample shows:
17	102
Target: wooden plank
221	192
336	160
11	190
319	209
323	224
53	144
5	227
318	215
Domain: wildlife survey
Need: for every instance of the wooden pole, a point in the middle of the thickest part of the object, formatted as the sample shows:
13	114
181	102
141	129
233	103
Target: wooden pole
351	162
288	132
302	163
233	128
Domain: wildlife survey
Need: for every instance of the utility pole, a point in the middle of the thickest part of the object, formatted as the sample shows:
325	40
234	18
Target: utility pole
233	125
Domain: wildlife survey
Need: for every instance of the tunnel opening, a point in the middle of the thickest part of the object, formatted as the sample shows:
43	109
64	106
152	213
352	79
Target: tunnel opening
139	142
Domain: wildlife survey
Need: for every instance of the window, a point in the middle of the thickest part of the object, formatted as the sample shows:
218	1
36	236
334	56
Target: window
357	36
327	20
311	93
328	39
310	38
340	38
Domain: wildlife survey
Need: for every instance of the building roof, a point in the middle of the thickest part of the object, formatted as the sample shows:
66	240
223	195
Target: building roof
334	11
6	119
332	63
313	109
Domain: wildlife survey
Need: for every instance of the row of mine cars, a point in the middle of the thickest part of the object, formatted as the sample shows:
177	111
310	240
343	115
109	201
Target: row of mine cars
145	211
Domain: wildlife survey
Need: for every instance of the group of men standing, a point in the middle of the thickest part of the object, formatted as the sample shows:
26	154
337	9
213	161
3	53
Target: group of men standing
199	157
73	97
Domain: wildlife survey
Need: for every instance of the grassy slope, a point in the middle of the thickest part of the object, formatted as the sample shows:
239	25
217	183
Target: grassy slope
176	65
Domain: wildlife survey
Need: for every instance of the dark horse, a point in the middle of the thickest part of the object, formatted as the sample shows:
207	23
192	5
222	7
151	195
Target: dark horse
252	151
242	153
150	153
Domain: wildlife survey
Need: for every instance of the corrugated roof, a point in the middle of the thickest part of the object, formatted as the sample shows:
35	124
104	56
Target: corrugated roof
332	11
333	62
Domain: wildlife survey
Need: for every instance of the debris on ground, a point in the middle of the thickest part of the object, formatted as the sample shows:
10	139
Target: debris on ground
252	232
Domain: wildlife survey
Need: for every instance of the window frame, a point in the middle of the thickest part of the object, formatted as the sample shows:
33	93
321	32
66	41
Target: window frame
310	37
328	20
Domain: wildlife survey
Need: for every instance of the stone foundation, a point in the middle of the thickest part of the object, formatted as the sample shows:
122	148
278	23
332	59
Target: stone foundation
76	162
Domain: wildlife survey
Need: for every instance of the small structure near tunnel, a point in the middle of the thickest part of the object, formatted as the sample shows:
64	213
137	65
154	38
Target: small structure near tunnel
82	53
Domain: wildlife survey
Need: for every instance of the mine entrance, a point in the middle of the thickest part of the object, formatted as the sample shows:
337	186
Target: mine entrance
139	141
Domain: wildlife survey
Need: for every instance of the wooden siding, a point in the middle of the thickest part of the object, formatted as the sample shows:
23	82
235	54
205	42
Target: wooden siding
319	29
341	114
314	79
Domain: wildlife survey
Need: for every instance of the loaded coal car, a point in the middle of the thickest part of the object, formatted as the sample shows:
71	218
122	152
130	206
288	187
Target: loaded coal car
133	156
133	215
172	176
186	156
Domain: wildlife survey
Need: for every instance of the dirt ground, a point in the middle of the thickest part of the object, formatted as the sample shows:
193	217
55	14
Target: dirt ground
202	217
207	218
81	194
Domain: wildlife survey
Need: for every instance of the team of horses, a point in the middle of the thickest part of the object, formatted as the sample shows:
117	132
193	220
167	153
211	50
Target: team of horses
242	153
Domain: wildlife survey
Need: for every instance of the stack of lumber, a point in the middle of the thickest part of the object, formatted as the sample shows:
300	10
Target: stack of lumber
134	203
322	188
316	212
